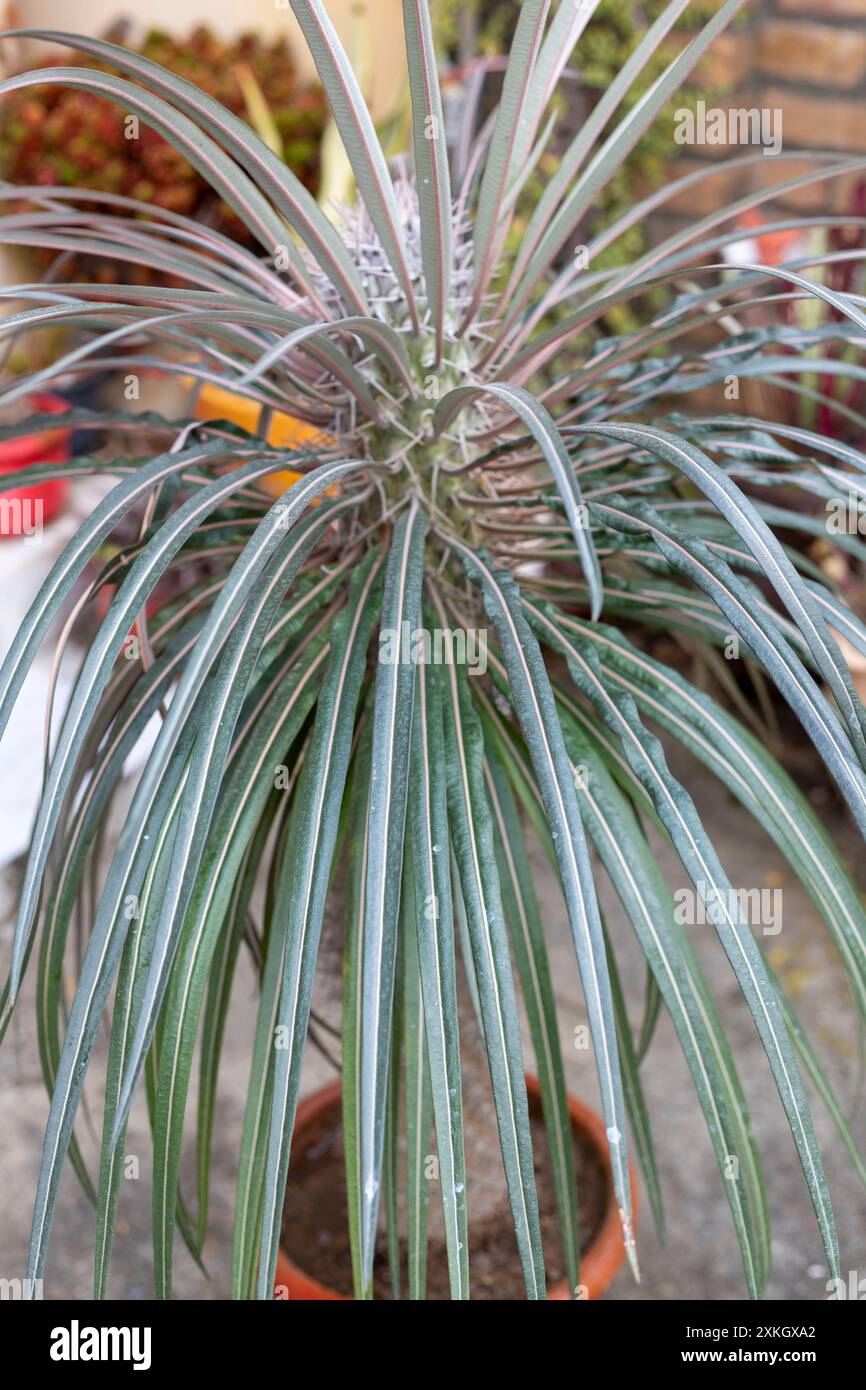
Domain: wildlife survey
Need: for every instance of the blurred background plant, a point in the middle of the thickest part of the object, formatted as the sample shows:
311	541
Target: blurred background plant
469	27
53	136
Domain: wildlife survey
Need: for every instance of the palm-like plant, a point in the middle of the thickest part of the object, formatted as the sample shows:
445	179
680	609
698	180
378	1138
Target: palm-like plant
446	496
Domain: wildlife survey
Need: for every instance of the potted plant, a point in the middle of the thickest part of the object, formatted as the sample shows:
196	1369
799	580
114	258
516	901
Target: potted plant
435	642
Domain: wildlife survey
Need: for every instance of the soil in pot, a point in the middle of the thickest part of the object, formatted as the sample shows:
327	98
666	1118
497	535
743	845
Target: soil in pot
315	1226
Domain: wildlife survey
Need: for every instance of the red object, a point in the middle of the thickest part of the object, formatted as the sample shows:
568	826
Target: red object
599	1264
49	446
773	247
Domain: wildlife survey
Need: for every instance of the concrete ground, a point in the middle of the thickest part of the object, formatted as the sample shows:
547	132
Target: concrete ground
700	1259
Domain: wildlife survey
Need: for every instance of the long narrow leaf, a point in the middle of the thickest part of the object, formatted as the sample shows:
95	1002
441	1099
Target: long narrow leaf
392	732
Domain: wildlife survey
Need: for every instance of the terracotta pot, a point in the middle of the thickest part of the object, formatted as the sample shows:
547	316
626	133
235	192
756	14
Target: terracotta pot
51	446
598	1265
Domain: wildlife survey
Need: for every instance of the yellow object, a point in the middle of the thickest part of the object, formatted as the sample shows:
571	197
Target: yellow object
258	112
285	432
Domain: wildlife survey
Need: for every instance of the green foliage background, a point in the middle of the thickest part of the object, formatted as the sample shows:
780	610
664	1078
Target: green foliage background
603	48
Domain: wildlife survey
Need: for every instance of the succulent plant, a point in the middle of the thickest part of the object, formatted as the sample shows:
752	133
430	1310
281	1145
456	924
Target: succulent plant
432	644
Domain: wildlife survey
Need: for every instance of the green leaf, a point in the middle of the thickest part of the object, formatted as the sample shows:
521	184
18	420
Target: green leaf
419	1102
242	799
108	643
536	712
634	1099
391	1144
677	812
393	704
359	137
103	952
530	954
509	124
565	29
79	837
743	517
76	556
576	196
544	431
691	557
303	886
130	984
224	175
744	765
359	833
646	898
471	832
290	197
254	1137
432	175
818	1076
221	708
428	848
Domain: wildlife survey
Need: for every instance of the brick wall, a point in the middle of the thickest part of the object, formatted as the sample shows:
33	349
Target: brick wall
808	59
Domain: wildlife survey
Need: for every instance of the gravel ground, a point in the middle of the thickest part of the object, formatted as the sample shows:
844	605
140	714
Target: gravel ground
700	1258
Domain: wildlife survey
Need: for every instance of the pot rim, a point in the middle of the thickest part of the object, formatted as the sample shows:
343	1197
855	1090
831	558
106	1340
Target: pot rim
598	1265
